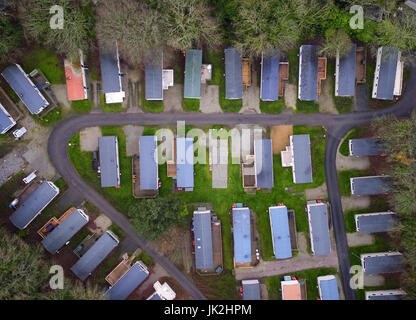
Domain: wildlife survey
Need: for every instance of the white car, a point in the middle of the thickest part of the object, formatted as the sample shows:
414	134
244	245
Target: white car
18	134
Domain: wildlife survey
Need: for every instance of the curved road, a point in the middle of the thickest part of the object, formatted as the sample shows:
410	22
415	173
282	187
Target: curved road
337	126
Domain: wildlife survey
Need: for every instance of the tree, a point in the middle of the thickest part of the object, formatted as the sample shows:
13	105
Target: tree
75	291
188	24
10	36
263	25
337	41
77	31
152	217
132	23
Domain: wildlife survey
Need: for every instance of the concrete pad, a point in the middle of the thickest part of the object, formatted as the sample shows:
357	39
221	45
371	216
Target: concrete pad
280	137
264	293
11	164
326	99
101	224
59	90
360	239
355	202
173	98
352	163
251	100
320	193
374	280
89	138
290	95
210	99
132	139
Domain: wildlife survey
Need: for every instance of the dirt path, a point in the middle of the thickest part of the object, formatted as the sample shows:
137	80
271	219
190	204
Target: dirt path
210	99
353	202
251	97
290	95
360	239
352	163
320	193
173	99
280	137
132	139
326	100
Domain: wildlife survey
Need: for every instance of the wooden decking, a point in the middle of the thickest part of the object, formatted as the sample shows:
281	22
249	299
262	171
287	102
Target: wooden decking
171	164
360	65
321	72
122	268
54	222
246	73
283	76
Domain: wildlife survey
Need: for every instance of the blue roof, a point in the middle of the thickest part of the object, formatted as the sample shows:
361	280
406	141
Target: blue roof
6	121
34	205
242	235
345	74
279	223
319	229
148	163
109	162
25	88
95	255
110	72
329	288
264	163
203	240
308	73
302	166
128	282
185	162
370	185
65	231
251	289
153	77
269	90
233	74
366	147
193	66
384	89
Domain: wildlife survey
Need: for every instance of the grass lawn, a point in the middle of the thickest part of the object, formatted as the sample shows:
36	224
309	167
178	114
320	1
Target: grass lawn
143	256
272	106
118	232
293	65
357	132
344	180
222	199
51	118
81	106
377	205
61	184
191	104
382	243
343	104
218	287
112	107
310	275
7	190
46	61
306	106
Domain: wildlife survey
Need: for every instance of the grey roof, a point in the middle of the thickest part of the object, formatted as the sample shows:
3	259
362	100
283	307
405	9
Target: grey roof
251	290
109	162
302	166
148	163
34	205
65	231
203	240
233	74
370	185
279	223
269	90
193	66
382	263
387	74
319	229
95	255
184	162
345	74
308	73
264	163
153	77
385	295
329	288
366	147
155	296
110	72
242	235
6	121
128	282
376	222
25	89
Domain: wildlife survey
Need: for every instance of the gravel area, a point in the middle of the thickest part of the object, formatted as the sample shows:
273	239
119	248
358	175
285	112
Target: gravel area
210	99
9	166
132	139
173	98
360	239
290	95
89	138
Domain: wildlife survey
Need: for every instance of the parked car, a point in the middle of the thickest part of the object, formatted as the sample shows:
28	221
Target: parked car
95	165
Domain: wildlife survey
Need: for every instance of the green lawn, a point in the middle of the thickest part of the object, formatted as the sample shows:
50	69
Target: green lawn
46	61
218	287
51	118
357	132
306	106
272	106
112	107
293	65
191	104
222	199
382	243
81	106
344	180
61	184
7	190
310	275
343	104
143	256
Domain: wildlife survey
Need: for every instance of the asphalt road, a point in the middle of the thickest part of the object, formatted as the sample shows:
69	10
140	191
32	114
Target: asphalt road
337	126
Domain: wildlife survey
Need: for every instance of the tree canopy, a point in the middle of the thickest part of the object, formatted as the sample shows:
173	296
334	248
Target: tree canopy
10	35
77	30
152	217
336	42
